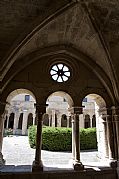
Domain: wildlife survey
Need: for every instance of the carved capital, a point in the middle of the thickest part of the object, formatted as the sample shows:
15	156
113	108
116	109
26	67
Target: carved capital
108	118
40	110
116	118
40	107
115	110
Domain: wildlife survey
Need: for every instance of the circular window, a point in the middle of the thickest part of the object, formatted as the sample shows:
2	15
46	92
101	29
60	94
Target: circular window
60	72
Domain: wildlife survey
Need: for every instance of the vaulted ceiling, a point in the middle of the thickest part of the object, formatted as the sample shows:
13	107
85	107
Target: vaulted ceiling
92	27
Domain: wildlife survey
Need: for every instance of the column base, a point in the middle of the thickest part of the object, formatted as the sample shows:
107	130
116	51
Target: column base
78	166
113	163
2	161
37	166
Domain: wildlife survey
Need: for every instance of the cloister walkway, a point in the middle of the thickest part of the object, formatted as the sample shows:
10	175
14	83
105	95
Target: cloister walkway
17	153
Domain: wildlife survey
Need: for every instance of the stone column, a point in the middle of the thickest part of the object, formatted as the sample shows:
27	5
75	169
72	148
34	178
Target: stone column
24	124
53	118
59	116
76	137
73	138
77	165
106	151
49	115
116	118
110	137
115	129
8	115
2	161
68	120
16	119
33	118
91	116
37	164
81	121
2	110
4	120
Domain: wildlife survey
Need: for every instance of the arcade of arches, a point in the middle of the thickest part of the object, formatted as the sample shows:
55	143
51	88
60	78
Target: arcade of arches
22	110
73	108
66	46
20	113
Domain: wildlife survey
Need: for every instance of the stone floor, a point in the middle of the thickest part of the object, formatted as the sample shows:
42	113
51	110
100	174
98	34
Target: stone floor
19	157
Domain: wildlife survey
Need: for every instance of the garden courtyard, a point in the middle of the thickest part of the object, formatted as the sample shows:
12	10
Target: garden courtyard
17	153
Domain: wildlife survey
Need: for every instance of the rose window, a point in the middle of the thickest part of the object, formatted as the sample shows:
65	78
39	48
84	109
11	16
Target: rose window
60	72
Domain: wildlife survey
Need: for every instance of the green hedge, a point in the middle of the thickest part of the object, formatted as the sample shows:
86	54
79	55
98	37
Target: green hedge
32	136
88	139
60	139
56	139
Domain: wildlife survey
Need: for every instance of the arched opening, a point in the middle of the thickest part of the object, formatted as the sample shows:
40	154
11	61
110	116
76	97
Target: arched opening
87	121
11	121
57	113
21	103
5	122
20	121
30	120
19	110
64	120
56	120
46	120
92	118
58	109
94	121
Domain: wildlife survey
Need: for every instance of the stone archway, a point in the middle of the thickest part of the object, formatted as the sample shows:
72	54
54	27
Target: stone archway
21	102
64	120
17	110
17	92
58	104
95	107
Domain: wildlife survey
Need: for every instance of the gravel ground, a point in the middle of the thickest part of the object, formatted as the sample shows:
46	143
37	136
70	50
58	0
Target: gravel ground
17	152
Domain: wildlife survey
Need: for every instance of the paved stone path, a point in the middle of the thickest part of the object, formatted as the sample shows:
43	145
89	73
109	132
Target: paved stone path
17	152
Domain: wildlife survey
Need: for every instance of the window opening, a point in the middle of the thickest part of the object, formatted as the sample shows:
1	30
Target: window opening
60	73
27	97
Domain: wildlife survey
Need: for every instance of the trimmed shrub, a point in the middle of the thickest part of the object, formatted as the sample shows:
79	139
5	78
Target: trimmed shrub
88	139
32	130
60	139
56	139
